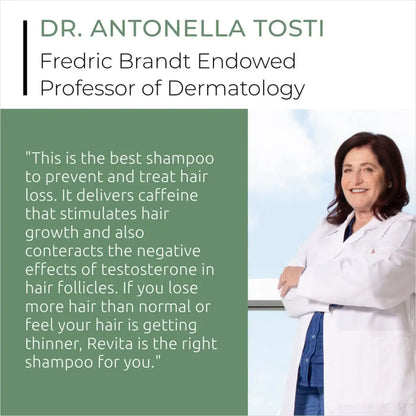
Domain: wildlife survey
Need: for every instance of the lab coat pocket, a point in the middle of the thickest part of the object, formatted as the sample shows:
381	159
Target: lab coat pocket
377	367
396	361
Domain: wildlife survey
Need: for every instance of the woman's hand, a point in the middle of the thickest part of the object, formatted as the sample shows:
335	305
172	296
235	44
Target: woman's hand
289	278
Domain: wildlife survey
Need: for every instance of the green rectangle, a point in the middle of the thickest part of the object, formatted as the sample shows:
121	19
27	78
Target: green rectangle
207	374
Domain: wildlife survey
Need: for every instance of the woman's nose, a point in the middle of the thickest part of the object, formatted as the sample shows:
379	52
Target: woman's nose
358	177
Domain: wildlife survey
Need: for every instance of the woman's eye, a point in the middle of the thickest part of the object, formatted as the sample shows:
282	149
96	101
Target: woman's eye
346	170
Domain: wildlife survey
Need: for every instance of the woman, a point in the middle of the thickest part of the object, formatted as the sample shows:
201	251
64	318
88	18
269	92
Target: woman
352	286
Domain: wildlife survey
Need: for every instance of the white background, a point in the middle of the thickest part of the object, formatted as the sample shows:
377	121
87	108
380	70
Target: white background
364	60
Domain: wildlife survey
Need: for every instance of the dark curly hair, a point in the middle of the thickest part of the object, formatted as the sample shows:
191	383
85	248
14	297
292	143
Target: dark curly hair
393	198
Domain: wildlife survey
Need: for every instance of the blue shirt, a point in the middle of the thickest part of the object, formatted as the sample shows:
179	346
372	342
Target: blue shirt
311	367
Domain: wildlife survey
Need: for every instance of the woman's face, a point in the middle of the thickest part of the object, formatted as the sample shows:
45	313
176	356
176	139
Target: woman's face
362	179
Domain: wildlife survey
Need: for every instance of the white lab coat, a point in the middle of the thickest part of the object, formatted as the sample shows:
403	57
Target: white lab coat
369	343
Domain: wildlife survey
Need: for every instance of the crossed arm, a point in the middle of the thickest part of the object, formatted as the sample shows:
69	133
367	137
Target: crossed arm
381	280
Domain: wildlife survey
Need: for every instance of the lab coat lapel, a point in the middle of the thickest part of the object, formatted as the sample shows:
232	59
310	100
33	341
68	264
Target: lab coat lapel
337	235
362	231
336	238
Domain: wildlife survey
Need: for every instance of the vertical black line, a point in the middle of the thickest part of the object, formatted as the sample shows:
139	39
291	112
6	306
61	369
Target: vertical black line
24	57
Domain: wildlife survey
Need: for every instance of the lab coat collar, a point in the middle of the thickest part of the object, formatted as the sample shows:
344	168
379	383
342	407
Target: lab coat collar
343	226
373	223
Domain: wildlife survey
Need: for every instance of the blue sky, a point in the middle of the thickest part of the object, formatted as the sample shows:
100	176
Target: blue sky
290	185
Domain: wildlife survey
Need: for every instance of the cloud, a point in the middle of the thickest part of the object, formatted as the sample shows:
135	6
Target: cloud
293	151
281	154
253	220
331	128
